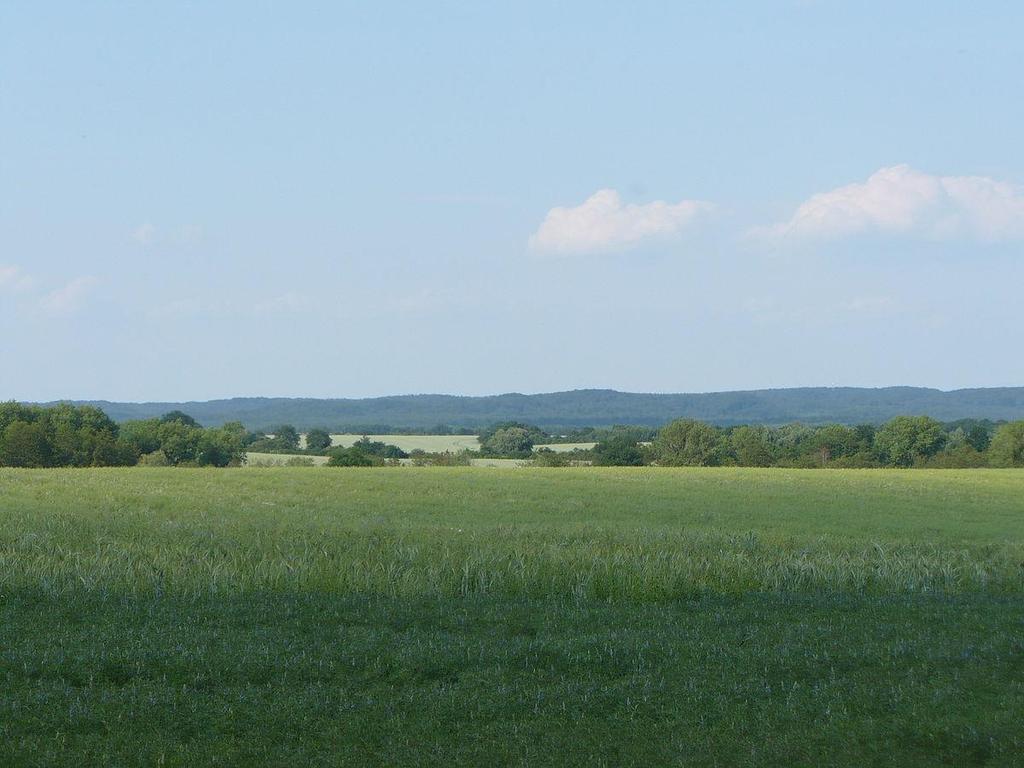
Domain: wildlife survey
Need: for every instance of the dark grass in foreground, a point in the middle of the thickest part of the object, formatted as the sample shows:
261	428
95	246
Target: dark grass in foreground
446	617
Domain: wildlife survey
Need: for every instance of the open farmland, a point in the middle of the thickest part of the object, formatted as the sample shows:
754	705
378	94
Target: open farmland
565	447
408	443
447	616
257	459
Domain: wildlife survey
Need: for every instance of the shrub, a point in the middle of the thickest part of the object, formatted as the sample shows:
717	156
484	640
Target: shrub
351	457
545	457
155	459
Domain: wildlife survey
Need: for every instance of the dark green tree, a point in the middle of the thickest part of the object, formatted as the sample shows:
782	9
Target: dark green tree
509	441
687	443
619	451
904	440
318	440
221	447
286	436
979	437
754	446
25	444
179	416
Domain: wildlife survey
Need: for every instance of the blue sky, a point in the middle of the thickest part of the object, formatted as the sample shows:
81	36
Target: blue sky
340	200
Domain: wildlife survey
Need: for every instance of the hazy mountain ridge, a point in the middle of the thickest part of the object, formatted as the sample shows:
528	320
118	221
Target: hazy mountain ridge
597	407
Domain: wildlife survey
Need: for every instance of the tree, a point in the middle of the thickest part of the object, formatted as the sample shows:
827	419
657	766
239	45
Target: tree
834	441
794	441
81	436
286	436
1007	447
537	435
318	440
509	441
25	444
905	439
380	449
221	447
687	443
179	416
142	434
754	446
618	451
180	442
979	437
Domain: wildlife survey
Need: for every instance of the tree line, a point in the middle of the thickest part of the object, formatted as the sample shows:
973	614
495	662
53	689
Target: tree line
67	435
904	441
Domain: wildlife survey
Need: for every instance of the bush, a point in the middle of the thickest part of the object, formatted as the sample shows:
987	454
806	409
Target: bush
351	457
445	459
546	457
961	457
155	459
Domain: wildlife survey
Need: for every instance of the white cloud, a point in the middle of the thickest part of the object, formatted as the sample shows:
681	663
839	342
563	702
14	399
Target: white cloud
603	223
869	305
901	200
144	234
67	299
148	234
13	279
289	302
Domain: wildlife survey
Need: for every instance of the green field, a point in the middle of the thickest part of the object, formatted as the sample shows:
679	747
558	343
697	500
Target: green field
450	616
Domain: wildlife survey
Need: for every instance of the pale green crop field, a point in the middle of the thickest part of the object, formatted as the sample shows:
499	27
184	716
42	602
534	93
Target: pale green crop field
409	443
565	447
499	463
257	459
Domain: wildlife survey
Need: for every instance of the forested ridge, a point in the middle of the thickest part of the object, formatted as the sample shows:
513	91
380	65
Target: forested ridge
593	407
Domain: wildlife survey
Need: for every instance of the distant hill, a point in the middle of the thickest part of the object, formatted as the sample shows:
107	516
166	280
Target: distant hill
597	407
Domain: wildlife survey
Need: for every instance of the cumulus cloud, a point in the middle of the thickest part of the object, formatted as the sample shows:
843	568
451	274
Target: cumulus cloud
288	302
144	234
603	223
13	279
67	299
904	201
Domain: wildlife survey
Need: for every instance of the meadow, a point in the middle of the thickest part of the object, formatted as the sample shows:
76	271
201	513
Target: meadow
449	616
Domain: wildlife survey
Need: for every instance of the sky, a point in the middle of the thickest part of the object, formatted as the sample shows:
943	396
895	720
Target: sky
204	200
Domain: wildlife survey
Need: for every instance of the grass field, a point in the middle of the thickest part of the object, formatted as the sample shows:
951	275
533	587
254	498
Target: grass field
448	616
